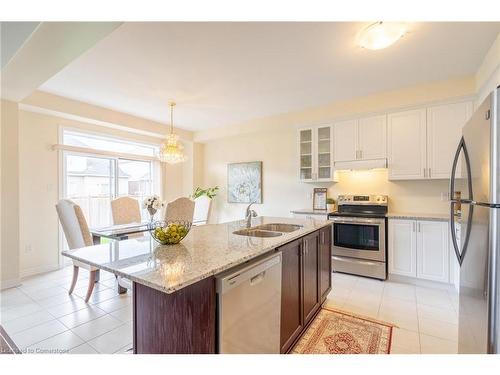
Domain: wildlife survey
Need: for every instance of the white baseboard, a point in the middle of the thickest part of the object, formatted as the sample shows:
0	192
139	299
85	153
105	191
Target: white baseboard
11	283
38	270
422	283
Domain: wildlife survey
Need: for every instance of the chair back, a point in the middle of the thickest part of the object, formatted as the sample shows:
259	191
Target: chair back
125	210
201	210
182	209
74	224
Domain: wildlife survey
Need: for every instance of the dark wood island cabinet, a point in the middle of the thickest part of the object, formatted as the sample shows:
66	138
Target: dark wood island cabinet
306	281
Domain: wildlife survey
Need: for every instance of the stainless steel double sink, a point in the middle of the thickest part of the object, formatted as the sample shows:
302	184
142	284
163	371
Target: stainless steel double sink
268	230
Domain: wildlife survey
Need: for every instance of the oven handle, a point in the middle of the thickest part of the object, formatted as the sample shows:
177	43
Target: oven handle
357	260
358	221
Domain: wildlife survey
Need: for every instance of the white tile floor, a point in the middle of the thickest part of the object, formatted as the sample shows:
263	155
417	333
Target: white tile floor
40	316
427	318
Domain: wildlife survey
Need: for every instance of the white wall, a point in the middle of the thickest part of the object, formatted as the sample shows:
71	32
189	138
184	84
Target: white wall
488	74
9	233
273	141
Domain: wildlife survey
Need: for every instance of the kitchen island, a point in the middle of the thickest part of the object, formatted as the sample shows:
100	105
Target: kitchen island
174	292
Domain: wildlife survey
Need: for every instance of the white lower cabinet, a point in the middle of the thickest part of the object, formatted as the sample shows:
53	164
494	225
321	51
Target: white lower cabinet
402	248
432	251
420	249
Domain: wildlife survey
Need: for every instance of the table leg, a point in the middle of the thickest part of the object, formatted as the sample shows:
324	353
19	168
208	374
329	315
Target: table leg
121	289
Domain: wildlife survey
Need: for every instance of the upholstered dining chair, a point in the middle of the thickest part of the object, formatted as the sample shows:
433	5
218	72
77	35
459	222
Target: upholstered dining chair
181	209
125	210
201	210
77	235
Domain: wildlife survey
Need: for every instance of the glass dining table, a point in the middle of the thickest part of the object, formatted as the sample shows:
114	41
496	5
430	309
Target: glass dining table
118	232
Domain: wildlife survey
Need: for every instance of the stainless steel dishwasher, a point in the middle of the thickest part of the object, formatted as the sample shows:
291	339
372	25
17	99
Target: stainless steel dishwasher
249	307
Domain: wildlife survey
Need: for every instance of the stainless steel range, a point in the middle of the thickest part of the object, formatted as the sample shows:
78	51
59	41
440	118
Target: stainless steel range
359	235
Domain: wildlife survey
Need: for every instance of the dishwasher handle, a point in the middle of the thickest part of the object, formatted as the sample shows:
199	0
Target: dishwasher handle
257	279
254	273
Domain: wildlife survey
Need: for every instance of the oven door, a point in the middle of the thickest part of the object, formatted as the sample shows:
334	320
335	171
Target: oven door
361	238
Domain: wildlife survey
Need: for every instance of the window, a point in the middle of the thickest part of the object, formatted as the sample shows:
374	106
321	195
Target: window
97	142
92	180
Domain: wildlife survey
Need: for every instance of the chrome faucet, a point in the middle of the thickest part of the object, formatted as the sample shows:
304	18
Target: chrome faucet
249	214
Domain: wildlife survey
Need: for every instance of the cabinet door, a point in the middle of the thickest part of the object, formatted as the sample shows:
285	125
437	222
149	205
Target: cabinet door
402	247
444	130
310	275
324	153
346	140
407	145
325	262
372	137
432	251
292	319
306	154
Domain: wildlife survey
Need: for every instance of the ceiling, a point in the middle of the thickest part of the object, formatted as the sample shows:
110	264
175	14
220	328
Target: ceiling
13	35
227	73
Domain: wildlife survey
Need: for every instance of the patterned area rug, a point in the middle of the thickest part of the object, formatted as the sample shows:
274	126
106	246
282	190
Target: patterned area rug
338	332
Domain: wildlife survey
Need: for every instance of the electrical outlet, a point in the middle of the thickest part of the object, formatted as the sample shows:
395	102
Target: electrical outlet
445	197
28	249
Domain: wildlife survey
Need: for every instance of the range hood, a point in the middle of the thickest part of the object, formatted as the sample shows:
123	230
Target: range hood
360	164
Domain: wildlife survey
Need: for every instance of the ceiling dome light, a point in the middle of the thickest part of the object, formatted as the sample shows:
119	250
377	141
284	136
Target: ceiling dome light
171	151
381	34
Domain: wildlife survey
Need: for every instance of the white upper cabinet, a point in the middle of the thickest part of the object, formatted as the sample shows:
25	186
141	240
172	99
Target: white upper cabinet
407	144
422	142
346	140
433	251
372	137
324	153
306	145
361	139
316	153
444	130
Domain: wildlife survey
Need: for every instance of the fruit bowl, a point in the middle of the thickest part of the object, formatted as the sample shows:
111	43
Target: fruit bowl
169	232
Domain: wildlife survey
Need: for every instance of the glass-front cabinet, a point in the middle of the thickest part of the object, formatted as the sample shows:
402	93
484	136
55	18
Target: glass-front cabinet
316	153
306	153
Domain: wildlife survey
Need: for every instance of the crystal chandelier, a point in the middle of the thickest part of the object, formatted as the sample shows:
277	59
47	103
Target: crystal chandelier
171	151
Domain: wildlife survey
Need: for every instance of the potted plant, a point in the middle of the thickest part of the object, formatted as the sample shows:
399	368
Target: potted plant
330	204
209	192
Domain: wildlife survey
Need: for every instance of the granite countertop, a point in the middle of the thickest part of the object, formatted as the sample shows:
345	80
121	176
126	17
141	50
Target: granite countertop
206	251
418	216
310	211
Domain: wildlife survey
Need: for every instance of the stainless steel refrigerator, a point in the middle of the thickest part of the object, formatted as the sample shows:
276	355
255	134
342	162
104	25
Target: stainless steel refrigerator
475	206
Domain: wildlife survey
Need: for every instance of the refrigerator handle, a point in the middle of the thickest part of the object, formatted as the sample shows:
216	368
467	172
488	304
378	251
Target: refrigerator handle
461	146
460	254
469	201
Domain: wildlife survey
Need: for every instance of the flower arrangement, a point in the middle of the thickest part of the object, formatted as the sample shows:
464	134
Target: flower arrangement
153	204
